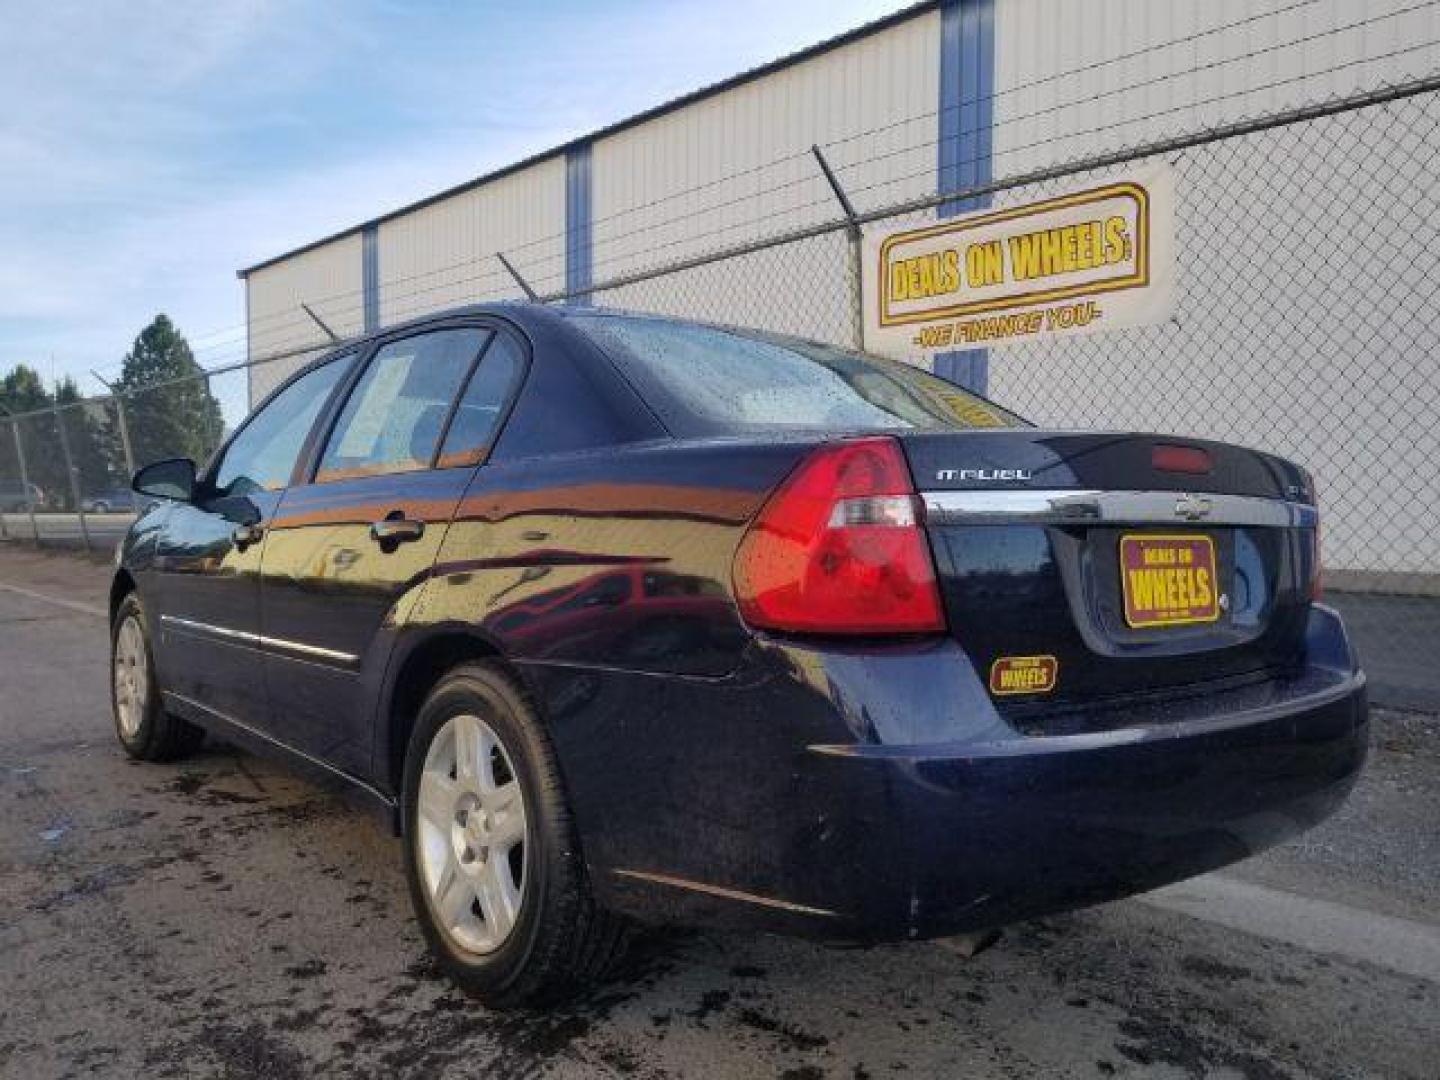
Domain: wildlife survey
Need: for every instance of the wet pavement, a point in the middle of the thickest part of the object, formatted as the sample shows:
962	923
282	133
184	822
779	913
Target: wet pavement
222	918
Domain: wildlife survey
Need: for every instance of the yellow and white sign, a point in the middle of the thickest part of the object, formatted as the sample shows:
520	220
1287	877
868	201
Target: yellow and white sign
1095	259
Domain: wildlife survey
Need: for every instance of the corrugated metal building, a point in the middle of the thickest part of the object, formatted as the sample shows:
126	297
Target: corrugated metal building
717	167
939	96
942	93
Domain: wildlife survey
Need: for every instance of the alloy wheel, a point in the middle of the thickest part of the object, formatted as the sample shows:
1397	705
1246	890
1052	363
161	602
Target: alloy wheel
132	677
472	832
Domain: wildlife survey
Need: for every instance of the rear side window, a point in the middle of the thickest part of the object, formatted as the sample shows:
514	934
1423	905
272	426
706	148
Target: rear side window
477	417
396	413
703	378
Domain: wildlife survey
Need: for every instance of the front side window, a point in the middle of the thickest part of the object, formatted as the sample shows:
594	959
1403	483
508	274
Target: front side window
396	413
706	378
262	456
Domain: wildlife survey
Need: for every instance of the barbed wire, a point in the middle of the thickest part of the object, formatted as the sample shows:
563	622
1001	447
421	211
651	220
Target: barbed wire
1278	118
281	321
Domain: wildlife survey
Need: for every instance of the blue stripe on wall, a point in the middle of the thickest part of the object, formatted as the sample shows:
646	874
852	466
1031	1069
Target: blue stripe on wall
966	111
577	221
370	276
249	351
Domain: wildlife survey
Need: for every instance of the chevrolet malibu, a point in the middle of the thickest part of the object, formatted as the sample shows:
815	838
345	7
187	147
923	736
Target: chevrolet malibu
629	620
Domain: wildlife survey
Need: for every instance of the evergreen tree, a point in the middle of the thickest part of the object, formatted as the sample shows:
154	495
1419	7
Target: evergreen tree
22	390
168	404
94	465
42	414
23	394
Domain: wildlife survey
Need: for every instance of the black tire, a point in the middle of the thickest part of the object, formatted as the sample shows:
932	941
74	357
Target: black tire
158	736
561	941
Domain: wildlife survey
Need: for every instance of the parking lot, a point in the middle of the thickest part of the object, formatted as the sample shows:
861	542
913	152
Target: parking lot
219	917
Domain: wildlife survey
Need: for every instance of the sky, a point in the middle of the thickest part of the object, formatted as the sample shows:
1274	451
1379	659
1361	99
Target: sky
150	149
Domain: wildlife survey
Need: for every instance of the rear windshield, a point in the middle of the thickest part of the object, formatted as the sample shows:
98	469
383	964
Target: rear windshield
705	379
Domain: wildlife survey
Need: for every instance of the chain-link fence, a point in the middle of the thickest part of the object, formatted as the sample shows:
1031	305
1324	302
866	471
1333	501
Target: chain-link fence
1306	324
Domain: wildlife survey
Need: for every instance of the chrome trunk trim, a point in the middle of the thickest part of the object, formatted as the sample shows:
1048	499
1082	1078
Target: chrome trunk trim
1068	507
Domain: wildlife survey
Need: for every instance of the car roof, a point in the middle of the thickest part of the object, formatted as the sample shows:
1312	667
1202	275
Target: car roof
567	401
527	314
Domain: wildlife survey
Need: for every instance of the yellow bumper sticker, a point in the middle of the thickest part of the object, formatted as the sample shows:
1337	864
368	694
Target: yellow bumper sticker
1024	674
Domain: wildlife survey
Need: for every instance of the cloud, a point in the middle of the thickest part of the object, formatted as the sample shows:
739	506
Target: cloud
148	149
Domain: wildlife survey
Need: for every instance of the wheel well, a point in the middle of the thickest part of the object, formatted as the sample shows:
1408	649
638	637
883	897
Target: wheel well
121	586
422	669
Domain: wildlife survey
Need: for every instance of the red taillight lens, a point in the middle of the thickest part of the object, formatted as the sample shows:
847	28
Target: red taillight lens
1190	460
839	549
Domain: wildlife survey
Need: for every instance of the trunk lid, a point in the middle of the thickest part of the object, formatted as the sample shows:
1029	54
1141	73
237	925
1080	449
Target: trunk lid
1077	574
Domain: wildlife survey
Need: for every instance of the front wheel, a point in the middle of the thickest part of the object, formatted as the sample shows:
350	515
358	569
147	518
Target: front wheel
494	867
145	730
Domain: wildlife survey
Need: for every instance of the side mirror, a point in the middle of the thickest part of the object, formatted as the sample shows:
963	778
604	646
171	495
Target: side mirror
173	478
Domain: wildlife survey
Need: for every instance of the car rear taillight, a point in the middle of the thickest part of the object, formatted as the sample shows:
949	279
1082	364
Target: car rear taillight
839	548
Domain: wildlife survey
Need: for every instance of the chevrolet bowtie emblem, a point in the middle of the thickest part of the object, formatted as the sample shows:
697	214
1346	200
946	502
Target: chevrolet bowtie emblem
1192	507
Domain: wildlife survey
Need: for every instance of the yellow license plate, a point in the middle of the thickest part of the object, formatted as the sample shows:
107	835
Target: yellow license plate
1168	580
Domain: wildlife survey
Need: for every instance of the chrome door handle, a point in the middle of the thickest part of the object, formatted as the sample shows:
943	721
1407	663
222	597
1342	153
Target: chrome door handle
395	531
245	535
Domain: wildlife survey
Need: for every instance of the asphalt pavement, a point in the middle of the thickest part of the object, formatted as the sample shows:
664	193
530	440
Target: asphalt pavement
1398	638
222	918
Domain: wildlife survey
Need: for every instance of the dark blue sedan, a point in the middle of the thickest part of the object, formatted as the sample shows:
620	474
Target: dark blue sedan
628	620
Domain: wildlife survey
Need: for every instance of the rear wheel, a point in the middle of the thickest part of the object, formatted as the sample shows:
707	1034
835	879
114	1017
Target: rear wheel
494	866
145	730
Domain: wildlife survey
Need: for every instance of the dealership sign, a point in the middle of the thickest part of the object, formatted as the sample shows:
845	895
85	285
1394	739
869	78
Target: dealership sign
1100	258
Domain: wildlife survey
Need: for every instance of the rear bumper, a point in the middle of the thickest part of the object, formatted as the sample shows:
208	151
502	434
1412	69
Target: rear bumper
877	793
991	835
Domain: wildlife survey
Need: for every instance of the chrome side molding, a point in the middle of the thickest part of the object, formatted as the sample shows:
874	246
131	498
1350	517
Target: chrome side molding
1062	506
724	893
259	641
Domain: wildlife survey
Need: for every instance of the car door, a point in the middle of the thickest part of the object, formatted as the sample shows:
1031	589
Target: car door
204	589
350	548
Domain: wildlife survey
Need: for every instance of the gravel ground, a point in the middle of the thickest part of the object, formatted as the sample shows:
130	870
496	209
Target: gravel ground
222	918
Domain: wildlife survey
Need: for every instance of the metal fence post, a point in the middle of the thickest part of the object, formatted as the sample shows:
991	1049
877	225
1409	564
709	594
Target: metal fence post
857	254
214	437
25	478
124	436
116	395
530	293
74	480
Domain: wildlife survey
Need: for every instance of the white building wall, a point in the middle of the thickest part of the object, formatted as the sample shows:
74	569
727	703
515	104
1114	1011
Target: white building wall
1266	346
328	279
1075	79
738	167
443	255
